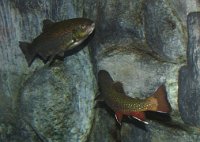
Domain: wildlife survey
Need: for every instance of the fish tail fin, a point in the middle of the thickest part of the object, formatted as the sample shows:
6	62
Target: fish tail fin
27	51
159	101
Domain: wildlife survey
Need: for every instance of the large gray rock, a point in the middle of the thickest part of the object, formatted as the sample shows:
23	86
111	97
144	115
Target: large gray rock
59	101
104	127
189	77
140	133
165	33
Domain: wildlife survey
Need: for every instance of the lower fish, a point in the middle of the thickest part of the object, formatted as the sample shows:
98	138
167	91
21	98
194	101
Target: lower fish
113	94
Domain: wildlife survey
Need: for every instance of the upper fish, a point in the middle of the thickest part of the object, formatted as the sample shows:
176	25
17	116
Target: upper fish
57	38
115	97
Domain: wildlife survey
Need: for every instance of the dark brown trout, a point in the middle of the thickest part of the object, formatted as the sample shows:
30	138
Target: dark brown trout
115	97
57	38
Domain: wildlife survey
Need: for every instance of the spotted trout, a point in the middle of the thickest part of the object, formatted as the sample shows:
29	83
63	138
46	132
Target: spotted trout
57	38
113	94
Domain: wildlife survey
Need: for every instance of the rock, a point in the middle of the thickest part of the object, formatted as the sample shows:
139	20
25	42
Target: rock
181	132
139	131
189	77
183	7
164	32
114	24
104	127
58	102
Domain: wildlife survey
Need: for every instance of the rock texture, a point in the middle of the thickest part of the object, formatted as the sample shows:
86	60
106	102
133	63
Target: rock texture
141	43
164	31
58	102
189	76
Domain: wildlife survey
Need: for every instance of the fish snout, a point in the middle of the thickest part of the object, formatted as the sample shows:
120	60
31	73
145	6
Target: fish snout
91	28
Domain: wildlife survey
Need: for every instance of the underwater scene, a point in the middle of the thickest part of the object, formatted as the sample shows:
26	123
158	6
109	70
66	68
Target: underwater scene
99	70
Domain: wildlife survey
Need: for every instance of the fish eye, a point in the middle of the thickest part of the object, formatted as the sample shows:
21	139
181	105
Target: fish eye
73	40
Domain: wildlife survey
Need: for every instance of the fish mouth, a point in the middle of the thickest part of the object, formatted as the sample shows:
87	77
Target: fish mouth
91	28
88	31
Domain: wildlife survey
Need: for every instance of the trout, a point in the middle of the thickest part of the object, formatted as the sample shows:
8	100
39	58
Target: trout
57	38
113	94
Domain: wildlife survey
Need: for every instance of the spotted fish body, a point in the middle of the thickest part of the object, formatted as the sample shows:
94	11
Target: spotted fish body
115	97
57	38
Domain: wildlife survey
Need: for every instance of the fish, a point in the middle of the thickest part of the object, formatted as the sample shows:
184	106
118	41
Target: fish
113	94
57	38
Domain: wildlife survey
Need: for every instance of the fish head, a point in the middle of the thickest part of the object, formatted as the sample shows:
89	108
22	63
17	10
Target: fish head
82	28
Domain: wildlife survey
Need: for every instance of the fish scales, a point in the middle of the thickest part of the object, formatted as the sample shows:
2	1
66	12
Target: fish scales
118	101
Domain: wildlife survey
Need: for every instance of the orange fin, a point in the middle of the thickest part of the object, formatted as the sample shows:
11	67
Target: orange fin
139	116
118	116
160	96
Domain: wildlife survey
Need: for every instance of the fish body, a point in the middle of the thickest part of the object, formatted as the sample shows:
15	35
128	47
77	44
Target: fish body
115	97
57	38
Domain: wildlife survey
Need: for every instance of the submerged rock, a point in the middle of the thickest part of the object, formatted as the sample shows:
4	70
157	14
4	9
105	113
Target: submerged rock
58	102
165	33
189	78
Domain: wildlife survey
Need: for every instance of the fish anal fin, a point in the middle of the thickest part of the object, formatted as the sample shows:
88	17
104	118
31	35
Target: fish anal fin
118	86
118	117
51	59
47	24
28	52
139	116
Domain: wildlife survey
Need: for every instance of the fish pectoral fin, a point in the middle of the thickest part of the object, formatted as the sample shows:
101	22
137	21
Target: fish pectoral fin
50	61
118	86
139	116
118	117
47	24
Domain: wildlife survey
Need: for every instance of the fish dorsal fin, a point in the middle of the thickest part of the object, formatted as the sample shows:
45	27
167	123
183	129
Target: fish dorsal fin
47	24
118	86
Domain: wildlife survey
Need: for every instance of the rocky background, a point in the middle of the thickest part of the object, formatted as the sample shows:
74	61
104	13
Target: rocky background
142	43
